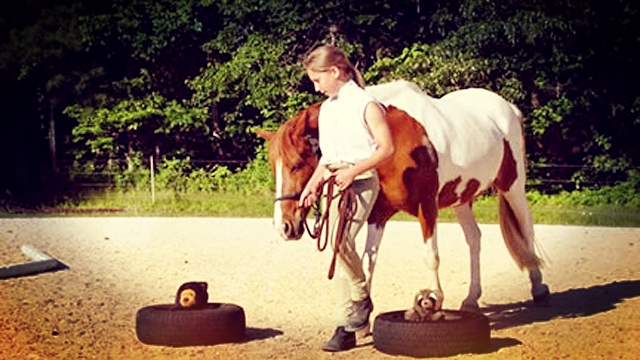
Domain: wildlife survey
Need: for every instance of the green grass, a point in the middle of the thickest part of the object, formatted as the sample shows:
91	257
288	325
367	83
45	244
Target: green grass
486	213
134	203
138	203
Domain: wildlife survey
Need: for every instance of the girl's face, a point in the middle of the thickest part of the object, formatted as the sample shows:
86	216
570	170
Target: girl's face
327	82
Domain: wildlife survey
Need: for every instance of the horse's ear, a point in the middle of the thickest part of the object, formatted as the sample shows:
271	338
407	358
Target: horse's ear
267	135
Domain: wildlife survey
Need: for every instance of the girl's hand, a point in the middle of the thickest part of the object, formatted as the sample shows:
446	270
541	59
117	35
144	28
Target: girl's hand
311	191
344	177
308	196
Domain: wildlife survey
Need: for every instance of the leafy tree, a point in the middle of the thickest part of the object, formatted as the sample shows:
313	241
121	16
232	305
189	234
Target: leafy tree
143	113
191	78
255	77
545	57
40	70
139	124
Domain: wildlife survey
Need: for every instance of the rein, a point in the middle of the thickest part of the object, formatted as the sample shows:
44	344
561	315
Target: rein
347	207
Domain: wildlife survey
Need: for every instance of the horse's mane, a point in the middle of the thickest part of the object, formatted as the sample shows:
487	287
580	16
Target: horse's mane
290	140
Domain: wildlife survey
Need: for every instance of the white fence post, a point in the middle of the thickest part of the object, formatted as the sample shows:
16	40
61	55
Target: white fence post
153	188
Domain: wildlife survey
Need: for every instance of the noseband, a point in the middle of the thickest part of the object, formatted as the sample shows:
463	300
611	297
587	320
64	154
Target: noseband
292	196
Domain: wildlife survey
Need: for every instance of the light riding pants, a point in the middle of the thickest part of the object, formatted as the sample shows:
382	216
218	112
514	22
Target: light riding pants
350	278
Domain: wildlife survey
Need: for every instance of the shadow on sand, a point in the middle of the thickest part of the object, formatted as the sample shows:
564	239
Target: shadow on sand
572	303
568	304
59	266
253	334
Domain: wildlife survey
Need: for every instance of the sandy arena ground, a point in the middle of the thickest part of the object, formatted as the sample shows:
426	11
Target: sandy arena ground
117	265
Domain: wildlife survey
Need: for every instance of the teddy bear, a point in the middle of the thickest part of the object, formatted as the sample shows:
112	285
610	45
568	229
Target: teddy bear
192	295
427	306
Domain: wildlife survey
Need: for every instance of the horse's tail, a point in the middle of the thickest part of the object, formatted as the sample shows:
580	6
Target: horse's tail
520	248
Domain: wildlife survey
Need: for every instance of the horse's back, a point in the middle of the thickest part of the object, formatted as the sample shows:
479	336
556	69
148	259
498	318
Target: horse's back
468	128
404	95
459	113
484	103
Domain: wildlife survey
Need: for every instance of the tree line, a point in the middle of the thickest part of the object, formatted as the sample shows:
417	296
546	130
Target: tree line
105	85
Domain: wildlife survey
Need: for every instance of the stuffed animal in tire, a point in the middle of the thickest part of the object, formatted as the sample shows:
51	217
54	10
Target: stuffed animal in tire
192	295
427	306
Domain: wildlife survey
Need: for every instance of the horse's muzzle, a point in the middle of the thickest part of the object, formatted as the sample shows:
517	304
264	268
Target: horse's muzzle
292	230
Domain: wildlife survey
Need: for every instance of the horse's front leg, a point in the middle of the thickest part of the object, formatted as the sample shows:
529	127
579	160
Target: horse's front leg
472	234
374	237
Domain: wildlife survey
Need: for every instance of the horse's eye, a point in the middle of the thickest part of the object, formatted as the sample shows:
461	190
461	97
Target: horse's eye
296	167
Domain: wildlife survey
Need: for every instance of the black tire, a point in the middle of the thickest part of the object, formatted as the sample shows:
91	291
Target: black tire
458	332
215	324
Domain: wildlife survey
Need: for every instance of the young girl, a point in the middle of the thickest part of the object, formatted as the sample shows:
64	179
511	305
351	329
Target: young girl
354	139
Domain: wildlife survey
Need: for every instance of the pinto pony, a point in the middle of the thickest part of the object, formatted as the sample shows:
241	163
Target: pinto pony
448	151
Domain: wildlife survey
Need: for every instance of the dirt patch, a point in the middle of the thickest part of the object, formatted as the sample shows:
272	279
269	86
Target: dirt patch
114	266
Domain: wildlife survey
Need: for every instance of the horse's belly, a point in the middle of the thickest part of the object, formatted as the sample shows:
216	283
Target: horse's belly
467	171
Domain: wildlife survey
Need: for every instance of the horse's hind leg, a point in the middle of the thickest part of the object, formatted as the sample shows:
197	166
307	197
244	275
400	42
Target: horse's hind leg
515	201
472	234
430	255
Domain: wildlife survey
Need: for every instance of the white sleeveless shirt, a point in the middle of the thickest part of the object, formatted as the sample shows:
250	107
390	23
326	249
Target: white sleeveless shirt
344	136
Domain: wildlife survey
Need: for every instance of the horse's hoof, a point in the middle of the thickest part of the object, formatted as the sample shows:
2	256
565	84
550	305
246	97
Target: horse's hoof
470	306
542	299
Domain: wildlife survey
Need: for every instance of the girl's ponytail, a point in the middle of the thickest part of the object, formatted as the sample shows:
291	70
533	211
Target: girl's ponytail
357	77
326	56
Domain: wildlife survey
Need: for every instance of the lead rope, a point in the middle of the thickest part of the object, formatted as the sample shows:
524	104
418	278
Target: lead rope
347	206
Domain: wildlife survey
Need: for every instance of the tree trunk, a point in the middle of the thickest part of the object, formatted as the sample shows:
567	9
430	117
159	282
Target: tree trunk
130	154
52	138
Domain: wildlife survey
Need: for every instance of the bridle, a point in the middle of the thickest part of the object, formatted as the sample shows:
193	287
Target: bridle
347	207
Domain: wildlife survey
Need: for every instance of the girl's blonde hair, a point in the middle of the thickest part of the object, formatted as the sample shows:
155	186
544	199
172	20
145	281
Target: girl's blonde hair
325	56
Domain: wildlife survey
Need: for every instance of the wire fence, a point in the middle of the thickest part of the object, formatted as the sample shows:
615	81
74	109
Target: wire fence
543	177
556	177
558	174
107	178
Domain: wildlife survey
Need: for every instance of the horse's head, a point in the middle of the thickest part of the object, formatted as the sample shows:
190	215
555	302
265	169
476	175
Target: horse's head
293	158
